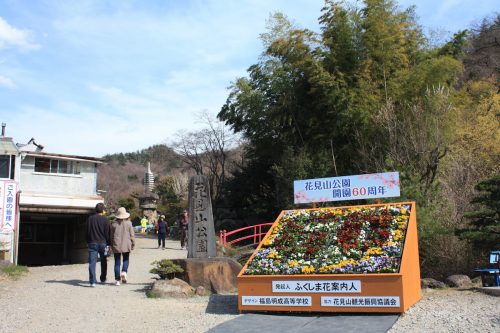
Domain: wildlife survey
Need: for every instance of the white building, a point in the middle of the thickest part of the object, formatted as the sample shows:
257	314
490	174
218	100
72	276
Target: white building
57	194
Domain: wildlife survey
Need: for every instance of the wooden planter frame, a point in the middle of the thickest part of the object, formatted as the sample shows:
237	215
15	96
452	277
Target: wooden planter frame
391	292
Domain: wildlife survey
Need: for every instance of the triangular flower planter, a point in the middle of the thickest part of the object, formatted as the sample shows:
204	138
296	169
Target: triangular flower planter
336	259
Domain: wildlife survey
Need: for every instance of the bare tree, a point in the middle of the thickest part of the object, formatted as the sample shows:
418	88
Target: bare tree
189	146
483	58
206	150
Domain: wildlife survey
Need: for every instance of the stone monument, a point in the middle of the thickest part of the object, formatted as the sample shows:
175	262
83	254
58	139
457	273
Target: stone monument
201	231
202	269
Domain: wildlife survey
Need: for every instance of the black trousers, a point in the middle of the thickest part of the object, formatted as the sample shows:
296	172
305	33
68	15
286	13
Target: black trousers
161	239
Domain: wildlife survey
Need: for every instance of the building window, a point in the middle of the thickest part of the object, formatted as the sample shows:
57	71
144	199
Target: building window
48	165
7	166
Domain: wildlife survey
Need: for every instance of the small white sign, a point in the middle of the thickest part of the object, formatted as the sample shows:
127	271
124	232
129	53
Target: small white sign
8	205
276	300
317	286
360	301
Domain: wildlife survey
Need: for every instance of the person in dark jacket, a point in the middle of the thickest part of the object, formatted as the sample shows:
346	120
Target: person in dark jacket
98	241
162	229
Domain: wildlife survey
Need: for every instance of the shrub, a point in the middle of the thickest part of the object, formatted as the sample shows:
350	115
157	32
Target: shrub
165	267
14	271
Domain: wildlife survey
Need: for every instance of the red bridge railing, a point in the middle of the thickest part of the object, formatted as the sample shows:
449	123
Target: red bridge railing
258	232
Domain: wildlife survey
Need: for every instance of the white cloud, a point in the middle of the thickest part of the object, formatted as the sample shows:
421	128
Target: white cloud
6	82
13	37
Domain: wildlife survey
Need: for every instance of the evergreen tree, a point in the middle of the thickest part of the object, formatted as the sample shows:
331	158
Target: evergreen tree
169	203
484	228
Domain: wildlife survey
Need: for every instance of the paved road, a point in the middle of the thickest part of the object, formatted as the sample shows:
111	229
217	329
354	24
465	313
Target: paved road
292	323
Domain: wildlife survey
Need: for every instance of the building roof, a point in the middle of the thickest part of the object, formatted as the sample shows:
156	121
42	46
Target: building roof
34	149
66	157
30	146
7	146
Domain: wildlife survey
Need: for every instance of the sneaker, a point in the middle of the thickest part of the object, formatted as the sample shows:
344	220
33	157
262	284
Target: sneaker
124	277
92	285
117	283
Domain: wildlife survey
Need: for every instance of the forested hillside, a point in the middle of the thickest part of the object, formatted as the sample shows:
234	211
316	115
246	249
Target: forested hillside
121	177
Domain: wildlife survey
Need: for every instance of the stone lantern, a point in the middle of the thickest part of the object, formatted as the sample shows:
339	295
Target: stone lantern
148	200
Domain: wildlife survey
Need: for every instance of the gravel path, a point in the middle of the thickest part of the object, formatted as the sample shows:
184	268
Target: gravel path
451	310
58	299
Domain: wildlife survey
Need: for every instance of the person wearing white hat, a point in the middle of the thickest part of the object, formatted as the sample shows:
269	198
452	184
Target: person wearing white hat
122	243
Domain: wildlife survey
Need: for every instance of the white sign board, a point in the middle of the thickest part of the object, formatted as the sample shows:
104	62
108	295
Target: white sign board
360	301
317	286
276	300
370	186
8	205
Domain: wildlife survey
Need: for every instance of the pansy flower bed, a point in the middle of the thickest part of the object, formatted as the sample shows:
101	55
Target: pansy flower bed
334	241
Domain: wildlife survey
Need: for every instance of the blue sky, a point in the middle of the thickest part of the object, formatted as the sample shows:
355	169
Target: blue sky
97	77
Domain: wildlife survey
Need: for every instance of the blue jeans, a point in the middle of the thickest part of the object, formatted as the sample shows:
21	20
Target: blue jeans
94	250
118	258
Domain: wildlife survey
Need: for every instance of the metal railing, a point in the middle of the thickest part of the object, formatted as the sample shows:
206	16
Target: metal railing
258	232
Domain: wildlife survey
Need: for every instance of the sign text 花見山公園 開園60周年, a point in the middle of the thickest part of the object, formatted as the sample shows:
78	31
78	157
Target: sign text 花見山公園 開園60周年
369	186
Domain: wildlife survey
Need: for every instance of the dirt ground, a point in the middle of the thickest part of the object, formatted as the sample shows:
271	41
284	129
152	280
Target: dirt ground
59	299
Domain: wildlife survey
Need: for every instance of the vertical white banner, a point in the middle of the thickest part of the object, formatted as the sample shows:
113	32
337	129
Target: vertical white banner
8	205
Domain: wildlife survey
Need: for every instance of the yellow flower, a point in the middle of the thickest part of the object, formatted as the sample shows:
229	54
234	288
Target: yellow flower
326	269
347	262
374	251
293	263
308	269
398	235
272	254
